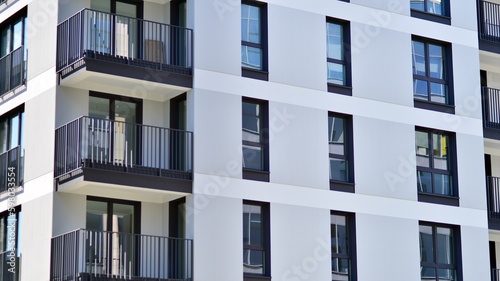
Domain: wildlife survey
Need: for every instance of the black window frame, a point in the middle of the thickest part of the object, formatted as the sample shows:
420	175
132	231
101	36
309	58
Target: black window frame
20	16
266	243
444	19
4	216
452	171
448	107
349	185
260	74
457	249
346	62
253	174
351	236
9	152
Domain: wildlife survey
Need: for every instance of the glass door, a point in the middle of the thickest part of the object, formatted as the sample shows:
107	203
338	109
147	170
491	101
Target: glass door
113	224
178	139
126	30
117	140
178	18
120	17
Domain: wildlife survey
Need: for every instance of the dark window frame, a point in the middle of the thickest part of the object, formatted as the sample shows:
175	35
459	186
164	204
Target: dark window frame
457	249
252	174
16	112
7	118
4	216
20	16
452	171
113	98
349	185
448	107
351	236
263	73
110	201
346	41
444	19
266	243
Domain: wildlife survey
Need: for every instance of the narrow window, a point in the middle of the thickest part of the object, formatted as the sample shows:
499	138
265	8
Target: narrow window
256	254
254	40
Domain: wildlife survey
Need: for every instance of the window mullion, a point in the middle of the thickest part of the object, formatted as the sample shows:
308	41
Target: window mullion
434	232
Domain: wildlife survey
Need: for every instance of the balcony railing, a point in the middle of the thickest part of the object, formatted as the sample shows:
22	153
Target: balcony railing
12	72
100	255
11	168
489	21
125	147
493	194
126	40
9	266
495	274
491	108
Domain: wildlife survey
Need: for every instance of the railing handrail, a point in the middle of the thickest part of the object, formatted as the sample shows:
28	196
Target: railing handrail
146	257
9	150
116	232
121	122
10	53
114	14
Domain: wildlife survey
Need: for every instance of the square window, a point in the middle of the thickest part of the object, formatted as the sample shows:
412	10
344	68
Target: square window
432	75
439	248
435	159
433	10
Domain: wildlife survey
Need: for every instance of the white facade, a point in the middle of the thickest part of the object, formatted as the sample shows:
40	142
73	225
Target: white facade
385	203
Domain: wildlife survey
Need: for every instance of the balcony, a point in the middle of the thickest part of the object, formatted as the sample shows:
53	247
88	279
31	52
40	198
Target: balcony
91	150
493	196
108	256
491	112
9	266
109	53
489	26
12	71
11	169
495	274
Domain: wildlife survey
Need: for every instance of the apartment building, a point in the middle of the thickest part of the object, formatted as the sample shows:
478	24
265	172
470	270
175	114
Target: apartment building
249	140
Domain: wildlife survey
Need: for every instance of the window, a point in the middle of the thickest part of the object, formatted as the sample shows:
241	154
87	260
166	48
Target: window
338	57
254	40
439	252
435	163
255	145
434	10
11	147
343	243
256	254
10	242
13	52
432	85
340	152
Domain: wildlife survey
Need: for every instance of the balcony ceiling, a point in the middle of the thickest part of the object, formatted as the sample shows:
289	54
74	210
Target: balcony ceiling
120	85
81	186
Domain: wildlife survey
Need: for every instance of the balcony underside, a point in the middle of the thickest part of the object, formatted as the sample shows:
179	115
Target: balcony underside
87	277
489	46
123	78
129	185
